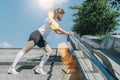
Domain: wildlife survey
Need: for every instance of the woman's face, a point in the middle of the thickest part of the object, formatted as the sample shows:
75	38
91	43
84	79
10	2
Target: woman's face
59	16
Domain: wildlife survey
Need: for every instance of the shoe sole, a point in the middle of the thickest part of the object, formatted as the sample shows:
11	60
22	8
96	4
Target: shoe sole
35	72
9	72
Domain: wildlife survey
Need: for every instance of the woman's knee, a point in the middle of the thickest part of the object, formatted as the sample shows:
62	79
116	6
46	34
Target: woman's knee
28	46
24	51
49	52
48	49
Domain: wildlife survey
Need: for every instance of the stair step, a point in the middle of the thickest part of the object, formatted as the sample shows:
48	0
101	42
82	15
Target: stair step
87	67
30	77
56	59
9	54
55	65
53	72
53	69
94	76
31	71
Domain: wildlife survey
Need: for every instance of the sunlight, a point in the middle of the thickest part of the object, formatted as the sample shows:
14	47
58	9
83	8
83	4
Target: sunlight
46	4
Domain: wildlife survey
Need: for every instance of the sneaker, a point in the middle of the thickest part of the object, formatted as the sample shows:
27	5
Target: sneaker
12	71
40	71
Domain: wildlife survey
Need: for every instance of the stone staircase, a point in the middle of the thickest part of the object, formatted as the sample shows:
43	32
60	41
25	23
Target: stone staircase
87	67
27	64
27	73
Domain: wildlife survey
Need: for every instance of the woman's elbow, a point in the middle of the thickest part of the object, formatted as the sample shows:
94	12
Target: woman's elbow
58	32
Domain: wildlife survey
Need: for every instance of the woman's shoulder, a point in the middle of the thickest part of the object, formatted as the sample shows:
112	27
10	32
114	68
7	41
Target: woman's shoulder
50	14
49	19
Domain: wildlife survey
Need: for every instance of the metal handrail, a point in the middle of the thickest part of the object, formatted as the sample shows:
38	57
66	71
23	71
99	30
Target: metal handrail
92	58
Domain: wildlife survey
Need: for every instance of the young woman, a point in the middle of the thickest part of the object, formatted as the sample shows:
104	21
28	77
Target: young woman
38	38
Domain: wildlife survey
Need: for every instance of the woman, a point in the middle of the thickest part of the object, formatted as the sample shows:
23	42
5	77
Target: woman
38	38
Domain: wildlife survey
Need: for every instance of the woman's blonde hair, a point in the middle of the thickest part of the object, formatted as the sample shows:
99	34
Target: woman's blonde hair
59	10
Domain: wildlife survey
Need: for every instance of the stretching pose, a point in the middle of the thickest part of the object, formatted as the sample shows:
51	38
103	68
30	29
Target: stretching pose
38	38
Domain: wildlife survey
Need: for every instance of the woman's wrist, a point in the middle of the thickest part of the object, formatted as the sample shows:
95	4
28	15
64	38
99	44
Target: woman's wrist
70	33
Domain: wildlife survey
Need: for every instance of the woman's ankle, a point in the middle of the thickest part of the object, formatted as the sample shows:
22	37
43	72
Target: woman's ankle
12	67
39	67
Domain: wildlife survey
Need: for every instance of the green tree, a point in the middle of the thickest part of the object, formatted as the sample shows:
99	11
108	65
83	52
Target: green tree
94	17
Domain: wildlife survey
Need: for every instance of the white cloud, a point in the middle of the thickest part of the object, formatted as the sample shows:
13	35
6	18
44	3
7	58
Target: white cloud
5	45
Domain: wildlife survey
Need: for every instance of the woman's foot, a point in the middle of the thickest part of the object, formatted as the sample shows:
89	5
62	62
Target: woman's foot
12	70
39	70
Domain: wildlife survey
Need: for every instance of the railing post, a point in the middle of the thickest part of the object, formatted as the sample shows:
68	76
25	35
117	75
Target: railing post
68	37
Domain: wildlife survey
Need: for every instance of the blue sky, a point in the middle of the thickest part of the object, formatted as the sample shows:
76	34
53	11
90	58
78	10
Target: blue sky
18	18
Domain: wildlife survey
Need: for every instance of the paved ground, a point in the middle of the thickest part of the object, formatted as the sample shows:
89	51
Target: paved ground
28	63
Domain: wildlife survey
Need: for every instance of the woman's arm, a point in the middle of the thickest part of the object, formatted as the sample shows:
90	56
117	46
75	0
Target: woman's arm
61	31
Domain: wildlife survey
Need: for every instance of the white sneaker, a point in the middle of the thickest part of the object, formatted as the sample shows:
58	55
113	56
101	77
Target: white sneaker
12	71
40	71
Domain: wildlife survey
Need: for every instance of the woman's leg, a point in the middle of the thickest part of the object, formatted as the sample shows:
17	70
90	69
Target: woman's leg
28	46
44	59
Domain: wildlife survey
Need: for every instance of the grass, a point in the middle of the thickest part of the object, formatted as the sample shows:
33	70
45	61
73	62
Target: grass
101	36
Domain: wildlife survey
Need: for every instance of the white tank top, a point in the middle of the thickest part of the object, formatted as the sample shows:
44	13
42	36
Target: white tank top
46	28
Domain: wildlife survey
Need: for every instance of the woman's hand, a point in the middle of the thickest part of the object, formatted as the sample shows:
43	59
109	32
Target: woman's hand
71	33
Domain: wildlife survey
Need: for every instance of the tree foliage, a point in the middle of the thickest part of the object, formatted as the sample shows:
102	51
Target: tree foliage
94	17
115	4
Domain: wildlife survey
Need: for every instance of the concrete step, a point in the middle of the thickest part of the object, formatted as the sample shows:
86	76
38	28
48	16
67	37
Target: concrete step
30	70
87	67
31	77
94	76
32	61
29	67
8	55
26	72
5	59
